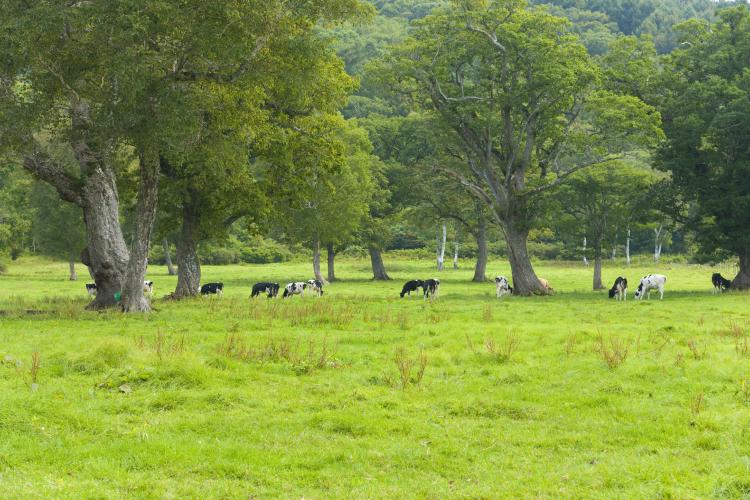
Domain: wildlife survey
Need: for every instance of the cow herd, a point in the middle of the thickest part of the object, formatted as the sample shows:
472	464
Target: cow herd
430	288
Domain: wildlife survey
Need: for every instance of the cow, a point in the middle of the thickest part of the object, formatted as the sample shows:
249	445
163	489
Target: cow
502	286
316	286
410	286
91	288
619	289
212	289
651	282
431	287
271	289
545	284
296	288
721	284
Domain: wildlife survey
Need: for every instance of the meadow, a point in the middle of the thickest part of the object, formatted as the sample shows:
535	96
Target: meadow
362	394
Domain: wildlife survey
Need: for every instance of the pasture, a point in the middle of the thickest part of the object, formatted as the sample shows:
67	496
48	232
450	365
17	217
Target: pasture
362	394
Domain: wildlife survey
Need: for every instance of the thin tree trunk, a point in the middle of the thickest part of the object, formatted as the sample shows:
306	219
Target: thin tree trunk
627	248
585	260
742	280
441	248
168	258
316	260
657	244
72	265
480	269
188	264
133	299
455	254
106	253
614	251
525	280
378	268
598	267
331	259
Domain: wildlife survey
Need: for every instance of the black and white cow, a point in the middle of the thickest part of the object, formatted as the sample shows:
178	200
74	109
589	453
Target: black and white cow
316	286
212	289
651	282
502	286
271	289
91	288
431	287
619	289
296	288
410	286
721	284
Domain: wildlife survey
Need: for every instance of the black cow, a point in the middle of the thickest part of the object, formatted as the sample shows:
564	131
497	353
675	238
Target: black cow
619	289
91	288
271	289
721	284
411	286
431	287
316	286
212	289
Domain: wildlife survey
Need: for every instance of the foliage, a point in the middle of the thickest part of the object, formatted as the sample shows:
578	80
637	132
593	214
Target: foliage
708	108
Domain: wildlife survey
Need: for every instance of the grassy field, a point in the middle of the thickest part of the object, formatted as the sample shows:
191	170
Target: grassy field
362	394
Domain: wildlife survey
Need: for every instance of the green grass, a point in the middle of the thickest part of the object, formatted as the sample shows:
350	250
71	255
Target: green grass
570	395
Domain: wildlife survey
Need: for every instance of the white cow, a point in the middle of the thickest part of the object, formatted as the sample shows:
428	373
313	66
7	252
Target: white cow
651	282
502	286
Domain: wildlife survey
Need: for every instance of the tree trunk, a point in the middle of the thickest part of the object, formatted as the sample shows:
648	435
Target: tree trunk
627	248
455	256
316	260
188	264
742	280
106	253
72	265
133	299
598	267
441	248
480	269
168	258
378	268
585	260
657	243
331	259
525	280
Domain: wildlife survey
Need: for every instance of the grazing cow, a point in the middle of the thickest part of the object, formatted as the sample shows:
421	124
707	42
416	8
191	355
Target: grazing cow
410	286
296	288
502	286
91	288
271	289
721	284
431	287
546	285
212	289
316	286
651	282
148	287
619	289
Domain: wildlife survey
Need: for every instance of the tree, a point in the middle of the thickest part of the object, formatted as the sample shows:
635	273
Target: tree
338	189
707	124
597	203
115	80
522	98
